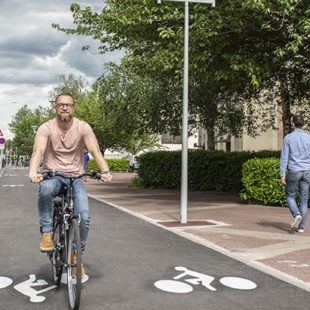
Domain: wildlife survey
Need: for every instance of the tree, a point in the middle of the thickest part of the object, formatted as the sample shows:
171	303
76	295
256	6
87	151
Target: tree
267	41
242	48
77	86
23	125
110	107
116	110
153	38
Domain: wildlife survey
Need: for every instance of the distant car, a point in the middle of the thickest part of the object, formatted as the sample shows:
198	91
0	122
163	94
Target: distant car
133	162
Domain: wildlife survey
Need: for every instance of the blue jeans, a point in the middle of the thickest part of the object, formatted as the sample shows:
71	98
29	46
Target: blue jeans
48	190
298	182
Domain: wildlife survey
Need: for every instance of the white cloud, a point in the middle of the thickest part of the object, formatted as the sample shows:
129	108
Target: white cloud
33	54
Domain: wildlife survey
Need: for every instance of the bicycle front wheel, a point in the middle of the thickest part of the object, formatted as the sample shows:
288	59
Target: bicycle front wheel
74	262
56	255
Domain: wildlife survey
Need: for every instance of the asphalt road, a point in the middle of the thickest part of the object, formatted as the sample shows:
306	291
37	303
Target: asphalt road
125	256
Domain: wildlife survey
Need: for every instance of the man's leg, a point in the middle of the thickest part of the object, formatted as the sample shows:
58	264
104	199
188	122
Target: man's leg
47	191
82	208
292	184
304	193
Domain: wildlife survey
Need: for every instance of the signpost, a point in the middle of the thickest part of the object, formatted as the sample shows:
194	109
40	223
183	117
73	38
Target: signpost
184	177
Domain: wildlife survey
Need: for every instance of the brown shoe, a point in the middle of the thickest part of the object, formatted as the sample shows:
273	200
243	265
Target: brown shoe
46	243
73	262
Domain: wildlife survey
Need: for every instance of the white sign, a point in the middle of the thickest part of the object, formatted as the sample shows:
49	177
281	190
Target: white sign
27	289
197	278
5	282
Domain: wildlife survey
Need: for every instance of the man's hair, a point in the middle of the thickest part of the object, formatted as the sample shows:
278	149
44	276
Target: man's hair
64	94
298	120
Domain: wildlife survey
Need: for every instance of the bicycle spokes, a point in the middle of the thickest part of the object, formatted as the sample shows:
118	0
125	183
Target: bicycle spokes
74	264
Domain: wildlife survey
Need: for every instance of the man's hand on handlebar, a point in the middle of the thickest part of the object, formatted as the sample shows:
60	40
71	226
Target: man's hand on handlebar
35	177
106	177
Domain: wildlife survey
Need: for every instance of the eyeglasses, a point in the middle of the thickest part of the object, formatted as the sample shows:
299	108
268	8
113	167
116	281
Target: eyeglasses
67	105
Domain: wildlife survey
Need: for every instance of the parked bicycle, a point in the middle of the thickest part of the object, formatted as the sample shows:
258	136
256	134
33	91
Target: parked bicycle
66	237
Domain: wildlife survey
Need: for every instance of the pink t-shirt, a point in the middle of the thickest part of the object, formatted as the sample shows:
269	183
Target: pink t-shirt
64	150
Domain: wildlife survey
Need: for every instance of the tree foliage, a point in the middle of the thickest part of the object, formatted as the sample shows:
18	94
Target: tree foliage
113	106
153	38
238	50
24	124
268	41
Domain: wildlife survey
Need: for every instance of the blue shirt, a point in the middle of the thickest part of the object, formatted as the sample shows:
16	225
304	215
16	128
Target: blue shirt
295	155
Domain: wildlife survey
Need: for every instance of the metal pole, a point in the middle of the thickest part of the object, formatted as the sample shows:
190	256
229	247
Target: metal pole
184	180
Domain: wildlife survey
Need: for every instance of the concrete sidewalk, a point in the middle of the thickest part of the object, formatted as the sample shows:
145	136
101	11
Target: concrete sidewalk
254	234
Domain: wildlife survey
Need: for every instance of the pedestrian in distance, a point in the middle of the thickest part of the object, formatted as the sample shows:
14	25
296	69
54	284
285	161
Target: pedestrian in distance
295	172
60	142
85	162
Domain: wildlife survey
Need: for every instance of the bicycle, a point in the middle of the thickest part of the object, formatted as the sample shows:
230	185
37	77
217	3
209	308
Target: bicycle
66	237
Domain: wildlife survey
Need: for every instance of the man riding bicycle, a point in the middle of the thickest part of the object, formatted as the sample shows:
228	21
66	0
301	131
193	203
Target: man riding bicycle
60	142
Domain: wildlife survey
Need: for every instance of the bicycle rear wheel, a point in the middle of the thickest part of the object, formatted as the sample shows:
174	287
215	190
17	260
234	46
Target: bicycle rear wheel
56	255
74	266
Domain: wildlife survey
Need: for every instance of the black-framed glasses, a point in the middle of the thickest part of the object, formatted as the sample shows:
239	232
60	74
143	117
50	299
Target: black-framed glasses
63	105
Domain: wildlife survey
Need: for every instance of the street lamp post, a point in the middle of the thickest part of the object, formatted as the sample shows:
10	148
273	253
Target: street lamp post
184	172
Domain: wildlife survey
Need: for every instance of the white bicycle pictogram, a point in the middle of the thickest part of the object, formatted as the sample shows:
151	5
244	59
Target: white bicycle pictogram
197	278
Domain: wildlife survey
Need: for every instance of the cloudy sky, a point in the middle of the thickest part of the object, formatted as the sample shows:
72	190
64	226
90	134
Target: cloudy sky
32	53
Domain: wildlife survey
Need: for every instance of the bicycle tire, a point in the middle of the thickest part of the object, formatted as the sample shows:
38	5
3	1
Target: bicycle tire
74	282
56	255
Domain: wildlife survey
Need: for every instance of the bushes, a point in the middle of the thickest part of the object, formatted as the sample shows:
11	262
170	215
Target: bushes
261	181
255	174
114	164
208	170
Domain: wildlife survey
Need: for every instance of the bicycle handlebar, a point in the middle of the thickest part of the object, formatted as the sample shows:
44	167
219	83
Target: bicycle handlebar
52	173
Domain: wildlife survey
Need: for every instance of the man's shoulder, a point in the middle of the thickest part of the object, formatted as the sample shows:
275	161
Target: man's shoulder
48	124
81	124
288	136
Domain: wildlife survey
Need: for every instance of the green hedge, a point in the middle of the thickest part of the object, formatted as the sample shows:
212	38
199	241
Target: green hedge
114	164
208	170
261	181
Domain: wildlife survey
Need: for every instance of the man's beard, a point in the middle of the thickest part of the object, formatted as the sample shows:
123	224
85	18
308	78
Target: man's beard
64	119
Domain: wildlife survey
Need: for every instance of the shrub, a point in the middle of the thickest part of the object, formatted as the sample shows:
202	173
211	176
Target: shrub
114	164
261	181
208	170
135	182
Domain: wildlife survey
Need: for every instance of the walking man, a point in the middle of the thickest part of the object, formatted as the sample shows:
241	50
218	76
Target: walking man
295	158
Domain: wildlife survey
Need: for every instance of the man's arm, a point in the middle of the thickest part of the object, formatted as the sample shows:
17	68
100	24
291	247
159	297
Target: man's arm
93	148
39	147
284	161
